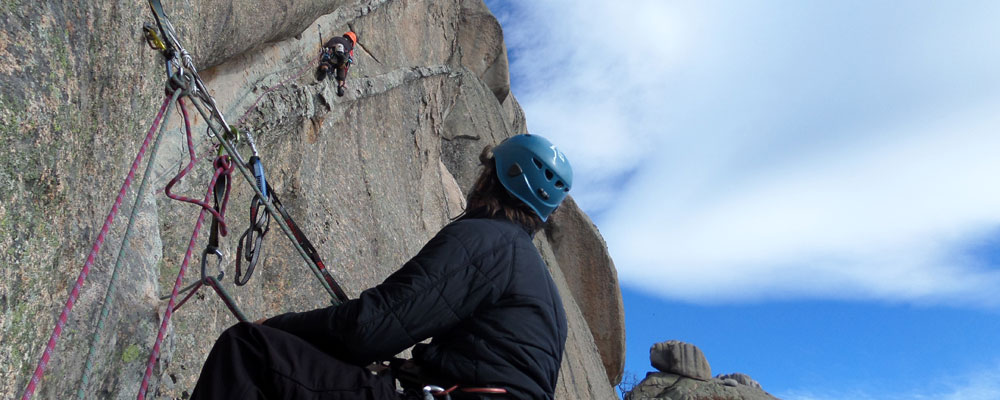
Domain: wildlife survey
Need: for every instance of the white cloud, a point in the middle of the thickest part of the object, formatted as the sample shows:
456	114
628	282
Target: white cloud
883	221
972	385
746	150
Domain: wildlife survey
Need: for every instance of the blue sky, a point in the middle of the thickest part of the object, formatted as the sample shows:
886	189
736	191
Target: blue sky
808	191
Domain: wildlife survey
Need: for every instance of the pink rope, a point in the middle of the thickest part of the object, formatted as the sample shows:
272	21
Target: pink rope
215	148
222	168
155	354
203	203
50	347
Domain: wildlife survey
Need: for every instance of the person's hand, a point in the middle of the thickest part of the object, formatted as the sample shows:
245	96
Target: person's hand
260	321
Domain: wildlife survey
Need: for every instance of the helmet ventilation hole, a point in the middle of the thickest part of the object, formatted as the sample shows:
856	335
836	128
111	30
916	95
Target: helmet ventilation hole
559	184
537	163
514	170
548	175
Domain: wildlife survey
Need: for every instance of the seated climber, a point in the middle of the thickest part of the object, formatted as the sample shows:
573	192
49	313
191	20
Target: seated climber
338	55
478	289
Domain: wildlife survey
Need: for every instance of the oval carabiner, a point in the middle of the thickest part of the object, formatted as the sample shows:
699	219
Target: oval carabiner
204	262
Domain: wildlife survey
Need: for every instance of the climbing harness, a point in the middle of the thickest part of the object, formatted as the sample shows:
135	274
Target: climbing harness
413	381
432	392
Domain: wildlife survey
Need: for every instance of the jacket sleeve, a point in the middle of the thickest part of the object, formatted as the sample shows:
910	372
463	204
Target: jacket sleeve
435	290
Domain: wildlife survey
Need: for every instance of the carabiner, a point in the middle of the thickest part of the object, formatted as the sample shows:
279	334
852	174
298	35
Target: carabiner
204	262
258	173
152	38
432	391
249	243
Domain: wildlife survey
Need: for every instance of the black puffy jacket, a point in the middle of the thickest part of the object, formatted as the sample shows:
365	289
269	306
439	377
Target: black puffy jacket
479	288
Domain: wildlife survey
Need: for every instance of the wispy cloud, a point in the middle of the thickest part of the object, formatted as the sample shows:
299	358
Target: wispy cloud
747	150
973	385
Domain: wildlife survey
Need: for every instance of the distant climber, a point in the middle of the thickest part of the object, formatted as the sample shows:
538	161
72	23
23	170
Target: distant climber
479	289
337	57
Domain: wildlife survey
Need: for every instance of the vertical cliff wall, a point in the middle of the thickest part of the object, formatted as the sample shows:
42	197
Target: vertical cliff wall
369	176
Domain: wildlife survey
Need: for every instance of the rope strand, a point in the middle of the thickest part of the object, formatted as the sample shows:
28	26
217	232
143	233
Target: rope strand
109	295
220	170
81	279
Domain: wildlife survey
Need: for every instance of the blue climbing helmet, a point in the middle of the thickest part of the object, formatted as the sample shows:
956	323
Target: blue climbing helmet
535	171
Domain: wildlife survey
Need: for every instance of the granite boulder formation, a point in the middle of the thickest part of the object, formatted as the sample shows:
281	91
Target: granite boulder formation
684	374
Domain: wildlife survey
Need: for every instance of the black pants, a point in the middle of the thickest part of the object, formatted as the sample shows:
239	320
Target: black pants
251	361
341	73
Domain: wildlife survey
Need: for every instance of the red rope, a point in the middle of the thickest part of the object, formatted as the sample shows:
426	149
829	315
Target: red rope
221	168
203	203
170	307
50	347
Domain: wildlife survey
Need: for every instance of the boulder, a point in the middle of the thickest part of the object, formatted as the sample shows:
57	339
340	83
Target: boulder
680	358
684	375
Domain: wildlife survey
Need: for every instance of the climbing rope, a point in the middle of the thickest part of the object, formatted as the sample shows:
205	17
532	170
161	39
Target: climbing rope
222	184
253	106
80	280
241	166
109	295
183	80
204	204
213	113
221	168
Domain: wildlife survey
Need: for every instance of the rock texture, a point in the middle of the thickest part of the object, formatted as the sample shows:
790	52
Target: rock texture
684	375
369	176
741	379
680	358
581	250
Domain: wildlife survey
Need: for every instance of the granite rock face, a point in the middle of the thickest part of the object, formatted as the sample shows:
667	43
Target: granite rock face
369	176
583	254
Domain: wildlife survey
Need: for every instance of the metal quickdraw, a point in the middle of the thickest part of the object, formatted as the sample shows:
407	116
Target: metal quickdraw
252	237
221	190
217	123
249	243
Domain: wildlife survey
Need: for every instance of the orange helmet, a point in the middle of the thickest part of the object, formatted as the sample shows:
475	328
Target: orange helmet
352	36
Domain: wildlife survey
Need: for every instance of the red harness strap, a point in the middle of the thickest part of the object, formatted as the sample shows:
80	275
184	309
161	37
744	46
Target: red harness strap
485	390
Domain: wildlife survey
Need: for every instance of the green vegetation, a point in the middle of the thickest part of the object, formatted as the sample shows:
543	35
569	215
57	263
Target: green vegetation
131	353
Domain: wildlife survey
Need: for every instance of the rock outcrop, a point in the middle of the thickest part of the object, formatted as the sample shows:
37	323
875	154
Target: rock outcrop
737	378
684	374
680	358
369	176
